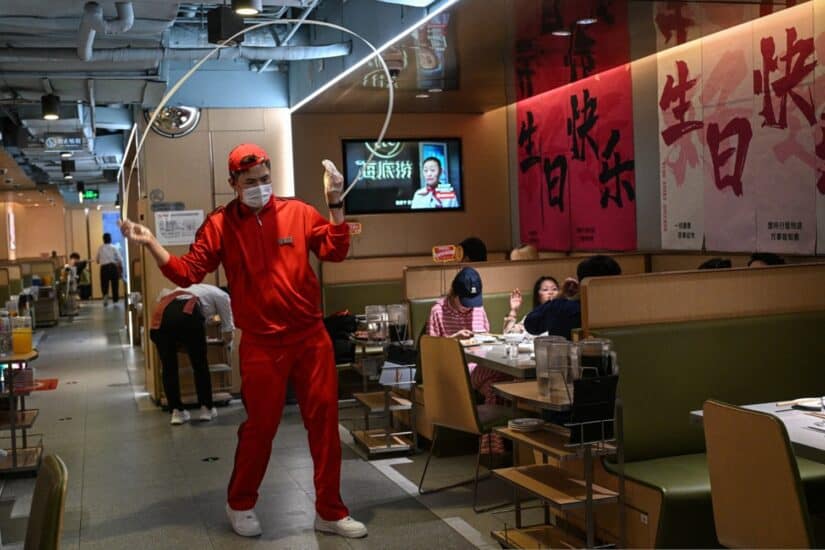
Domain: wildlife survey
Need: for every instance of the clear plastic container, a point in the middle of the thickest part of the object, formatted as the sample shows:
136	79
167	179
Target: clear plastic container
398	319
377	322
21	334
597	357
5	332
552	365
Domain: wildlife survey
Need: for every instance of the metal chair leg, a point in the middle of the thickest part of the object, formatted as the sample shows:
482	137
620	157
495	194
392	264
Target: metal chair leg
474	480
477	509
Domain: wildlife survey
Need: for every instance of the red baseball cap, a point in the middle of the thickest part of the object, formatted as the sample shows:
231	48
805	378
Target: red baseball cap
245	156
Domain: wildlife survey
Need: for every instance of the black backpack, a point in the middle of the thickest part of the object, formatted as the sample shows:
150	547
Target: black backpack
340	327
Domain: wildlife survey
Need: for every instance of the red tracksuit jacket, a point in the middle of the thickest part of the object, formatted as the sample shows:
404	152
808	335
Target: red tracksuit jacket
275	293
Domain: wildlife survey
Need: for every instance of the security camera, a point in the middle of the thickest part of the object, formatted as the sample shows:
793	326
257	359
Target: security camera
4	171
395	73
8	181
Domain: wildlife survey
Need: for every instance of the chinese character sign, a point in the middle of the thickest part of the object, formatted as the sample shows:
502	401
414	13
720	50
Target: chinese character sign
738	120
548	55
576	166
681	145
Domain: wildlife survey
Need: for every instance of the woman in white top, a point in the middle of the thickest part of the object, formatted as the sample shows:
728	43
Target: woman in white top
179	318
433	195
111	266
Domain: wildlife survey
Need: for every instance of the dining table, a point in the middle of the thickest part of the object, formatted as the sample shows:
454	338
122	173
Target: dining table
494	357
807	438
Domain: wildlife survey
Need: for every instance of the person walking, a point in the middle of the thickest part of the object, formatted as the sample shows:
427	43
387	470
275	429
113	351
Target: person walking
111	266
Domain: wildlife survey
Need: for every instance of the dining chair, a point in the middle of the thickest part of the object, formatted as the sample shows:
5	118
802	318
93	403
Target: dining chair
450	403
758	498
48	501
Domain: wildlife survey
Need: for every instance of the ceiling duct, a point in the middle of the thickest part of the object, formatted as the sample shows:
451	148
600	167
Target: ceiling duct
93	22
153	56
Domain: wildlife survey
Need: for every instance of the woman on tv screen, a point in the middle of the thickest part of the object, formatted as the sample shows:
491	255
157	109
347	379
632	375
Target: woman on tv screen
434	194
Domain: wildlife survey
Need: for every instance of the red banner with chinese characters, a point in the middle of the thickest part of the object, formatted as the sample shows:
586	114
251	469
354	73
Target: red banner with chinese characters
576	166
553	50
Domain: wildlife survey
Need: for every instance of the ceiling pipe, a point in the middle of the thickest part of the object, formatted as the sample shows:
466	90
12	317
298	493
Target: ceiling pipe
156	55
301	19
90	84
93	22
190	36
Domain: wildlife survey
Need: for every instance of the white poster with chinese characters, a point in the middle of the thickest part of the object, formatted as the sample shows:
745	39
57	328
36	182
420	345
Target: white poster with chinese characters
681	141
782	150
177	227
819	130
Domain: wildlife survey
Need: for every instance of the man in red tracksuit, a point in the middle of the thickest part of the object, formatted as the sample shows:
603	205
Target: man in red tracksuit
263	243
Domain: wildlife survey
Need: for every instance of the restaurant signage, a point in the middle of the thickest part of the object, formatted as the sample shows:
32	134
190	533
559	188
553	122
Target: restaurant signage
448	253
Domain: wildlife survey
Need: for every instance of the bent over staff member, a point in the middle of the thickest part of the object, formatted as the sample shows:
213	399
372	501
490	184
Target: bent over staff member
263	243
179	318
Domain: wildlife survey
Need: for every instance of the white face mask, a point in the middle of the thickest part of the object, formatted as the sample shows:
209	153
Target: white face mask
256	197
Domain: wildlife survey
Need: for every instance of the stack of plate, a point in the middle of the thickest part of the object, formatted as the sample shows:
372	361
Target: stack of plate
525	424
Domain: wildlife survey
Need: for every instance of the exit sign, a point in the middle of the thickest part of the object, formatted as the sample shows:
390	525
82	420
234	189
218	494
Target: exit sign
91	194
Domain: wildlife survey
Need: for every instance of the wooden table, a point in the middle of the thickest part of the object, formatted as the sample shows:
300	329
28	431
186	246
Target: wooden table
527	392
807	442
493	357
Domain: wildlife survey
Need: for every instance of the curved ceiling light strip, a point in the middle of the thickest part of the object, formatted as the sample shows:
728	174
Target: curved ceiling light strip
228	44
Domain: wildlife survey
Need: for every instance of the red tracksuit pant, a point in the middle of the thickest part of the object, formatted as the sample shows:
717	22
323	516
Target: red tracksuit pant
310	366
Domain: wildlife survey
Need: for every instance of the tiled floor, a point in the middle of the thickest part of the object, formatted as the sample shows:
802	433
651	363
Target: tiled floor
136	482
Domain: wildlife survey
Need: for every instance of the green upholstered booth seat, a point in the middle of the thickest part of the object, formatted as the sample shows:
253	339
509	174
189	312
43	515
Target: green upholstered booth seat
669	370
686	518
15	286
356	296
496	305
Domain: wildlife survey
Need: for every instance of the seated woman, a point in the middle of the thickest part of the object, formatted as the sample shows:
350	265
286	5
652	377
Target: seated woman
545	289
560	316
459	315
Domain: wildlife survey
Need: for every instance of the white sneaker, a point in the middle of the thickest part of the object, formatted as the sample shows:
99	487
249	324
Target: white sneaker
346	527
244	522
208	414
179	417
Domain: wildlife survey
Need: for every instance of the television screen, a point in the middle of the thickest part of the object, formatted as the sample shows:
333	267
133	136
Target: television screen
404	175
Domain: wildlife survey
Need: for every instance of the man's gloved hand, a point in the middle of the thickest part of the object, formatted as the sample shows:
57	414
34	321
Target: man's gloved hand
333	182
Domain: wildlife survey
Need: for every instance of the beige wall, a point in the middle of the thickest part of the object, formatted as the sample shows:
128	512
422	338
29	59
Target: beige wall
484	167
39	230
4	230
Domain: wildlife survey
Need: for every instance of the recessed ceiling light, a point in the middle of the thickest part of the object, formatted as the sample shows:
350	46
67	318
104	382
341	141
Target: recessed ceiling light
562	32
66	155
435	90
37	204
422	96
247	7
67	177
19	194
587	21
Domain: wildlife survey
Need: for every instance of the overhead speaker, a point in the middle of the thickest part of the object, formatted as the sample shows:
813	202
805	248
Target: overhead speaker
222	23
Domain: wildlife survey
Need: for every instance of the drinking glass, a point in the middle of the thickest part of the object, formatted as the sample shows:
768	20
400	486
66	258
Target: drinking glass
21	334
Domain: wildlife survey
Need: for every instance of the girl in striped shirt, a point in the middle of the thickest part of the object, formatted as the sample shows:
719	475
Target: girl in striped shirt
459	315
